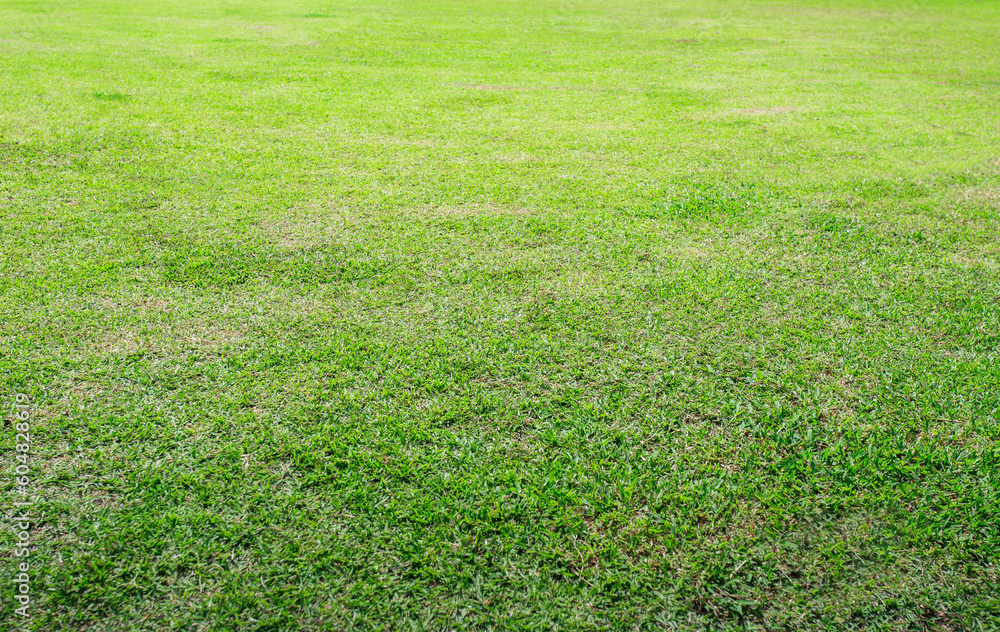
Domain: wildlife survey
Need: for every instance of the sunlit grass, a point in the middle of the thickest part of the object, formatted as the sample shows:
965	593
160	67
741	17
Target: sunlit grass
517	315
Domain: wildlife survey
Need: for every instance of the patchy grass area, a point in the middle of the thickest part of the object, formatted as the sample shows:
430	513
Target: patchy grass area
504	315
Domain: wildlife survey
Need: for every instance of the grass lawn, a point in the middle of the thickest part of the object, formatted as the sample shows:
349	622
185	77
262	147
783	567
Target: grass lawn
503	315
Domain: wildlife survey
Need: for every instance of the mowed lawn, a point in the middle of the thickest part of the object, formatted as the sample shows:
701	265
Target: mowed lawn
503	315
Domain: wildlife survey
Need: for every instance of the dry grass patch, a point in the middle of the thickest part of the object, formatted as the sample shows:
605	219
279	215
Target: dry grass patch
987	196
304	232
765	111
984	258
473	210
169	339
213	337
119	341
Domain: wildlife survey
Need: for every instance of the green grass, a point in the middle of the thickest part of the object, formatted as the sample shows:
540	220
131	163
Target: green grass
504	315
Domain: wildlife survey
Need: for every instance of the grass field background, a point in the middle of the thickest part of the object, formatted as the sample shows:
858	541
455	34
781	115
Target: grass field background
504	315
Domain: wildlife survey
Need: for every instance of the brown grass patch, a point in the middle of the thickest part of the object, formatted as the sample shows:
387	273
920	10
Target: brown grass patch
505	88
314	227
126	340
989	196
765	111
120	341
494	88
690	252
211	336
973	260
472	210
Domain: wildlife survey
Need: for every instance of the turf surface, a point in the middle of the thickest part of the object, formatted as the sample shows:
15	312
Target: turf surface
506	315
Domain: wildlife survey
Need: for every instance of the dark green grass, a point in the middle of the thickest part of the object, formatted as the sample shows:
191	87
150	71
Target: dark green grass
520	315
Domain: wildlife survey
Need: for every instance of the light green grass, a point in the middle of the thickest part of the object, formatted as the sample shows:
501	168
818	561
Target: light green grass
504	315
